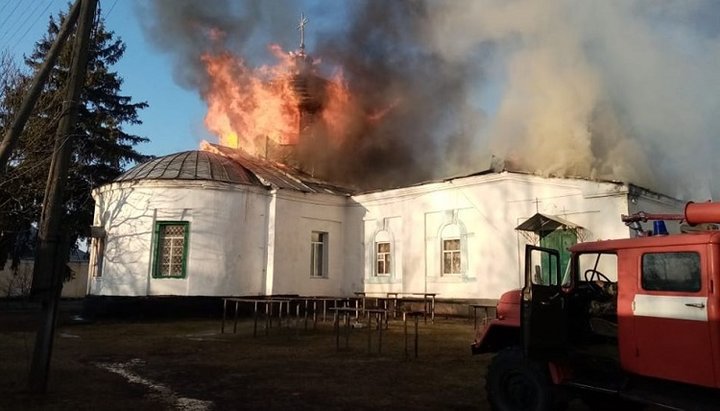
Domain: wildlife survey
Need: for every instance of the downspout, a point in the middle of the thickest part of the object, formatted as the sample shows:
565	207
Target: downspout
152	252
425	253
270	246
521	271
92	272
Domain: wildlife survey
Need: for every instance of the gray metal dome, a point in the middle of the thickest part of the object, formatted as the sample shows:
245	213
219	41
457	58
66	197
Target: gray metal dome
191	165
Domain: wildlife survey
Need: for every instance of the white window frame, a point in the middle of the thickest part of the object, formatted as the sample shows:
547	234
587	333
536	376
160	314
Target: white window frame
452	254
451	229
319	254
384	257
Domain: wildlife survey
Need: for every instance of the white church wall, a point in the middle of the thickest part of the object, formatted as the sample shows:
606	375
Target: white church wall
482	212
354	249
649	202
297	216
418	217
225	253
384	229
245	240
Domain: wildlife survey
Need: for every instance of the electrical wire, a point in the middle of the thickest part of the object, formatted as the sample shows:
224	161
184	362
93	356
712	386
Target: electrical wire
18	23
3	6
9	15
54	120
110	10
30	27
26	171
10	38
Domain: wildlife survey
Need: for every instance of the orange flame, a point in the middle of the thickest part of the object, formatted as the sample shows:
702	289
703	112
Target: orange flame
248	106
245	106
340	113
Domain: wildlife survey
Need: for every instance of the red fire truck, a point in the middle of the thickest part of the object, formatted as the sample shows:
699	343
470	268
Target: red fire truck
630	321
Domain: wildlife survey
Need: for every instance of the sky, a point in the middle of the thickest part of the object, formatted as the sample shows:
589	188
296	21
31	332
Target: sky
174	119
612	90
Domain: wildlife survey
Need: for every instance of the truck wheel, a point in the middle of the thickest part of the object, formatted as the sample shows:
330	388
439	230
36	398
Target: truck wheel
514	383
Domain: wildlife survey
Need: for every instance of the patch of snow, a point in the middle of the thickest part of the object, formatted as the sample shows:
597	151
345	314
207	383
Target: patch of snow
161	392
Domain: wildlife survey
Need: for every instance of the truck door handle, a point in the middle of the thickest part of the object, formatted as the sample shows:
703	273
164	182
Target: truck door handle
696	305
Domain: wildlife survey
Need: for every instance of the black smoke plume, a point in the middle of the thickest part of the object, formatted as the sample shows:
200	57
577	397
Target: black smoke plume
606	90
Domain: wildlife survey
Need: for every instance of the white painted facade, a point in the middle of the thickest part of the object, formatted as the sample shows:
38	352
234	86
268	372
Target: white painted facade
226	237
296	216
483	212
253	240
243	239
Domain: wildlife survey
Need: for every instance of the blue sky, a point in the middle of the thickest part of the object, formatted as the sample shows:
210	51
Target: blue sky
631	93
174	120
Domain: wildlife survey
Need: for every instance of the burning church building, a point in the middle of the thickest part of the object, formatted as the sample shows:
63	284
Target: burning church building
219	222
280	205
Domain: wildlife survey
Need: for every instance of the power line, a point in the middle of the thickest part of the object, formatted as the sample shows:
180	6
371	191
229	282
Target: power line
9	15
22	172
25	171
35	23
110	10
3	6
17	23
23	24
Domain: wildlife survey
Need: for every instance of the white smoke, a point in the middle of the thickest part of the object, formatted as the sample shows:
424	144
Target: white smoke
611	89
624	90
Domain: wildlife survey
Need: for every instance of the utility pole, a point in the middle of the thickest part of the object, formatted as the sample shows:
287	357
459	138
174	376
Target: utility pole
52	244
13	133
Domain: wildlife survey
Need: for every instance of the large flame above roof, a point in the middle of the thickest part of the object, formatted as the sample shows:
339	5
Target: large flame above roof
253	107
607	90
246	104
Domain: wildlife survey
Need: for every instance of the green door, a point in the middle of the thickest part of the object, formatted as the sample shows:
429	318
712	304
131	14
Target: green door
559	240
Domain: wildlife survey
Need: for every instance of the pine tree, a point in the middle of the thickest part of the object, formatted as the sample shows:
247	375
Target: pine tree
101	148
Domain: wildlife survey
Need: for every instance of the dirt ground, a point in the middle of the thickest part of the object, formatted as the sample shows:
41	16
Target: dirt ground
188	364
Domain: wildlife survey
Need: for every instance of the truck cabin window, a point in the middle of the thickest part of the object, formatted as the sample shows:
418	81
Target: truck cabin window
671	272
543	268
597	267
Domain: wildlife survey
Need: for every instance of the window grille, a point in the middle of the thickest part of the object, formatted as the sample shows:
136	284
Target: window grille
171	250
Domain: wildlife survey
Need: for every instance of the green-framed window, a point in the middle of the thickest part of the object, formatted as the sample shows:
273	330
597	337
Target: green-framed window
171	246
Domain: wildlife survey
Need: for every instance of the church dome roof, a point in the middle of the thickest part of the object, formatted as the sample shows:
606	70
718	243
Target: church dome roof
191	165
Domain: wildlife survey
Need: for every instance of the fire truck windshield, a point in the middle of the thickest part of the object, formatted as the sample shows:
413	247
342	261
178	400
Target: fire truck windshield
592	263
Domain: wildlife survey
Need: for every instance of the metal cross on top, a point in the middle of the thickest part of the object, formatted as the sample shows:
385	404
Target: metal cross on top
301	27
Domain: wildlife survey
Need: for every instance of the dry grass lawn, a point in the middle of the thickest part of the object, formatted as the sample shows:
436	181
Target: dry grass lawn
188	364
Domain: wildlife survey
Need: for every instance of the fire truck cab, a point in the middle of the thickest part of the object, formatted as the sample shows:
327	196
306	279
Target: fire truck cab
629	320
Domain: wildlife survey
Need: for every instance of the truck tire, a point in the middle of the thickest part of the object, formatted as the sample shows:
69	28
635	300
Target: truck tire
514	383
